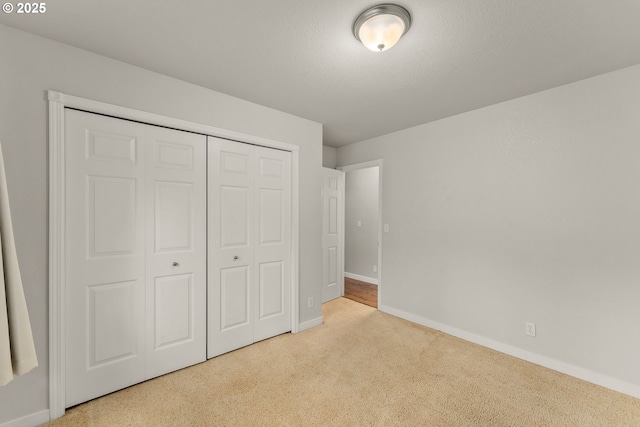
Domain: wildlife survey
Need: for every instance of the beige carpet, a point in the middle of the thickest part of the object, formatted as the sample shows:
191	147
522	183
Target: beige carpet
360	368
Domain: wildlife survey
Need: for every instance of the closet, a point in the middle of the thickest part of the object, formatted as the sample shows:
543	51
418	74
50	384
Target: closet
148	210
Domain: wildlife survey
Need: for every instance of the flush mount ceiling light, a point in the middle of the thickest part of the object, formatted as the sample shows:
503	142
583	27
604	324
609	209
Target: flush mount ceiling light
379	28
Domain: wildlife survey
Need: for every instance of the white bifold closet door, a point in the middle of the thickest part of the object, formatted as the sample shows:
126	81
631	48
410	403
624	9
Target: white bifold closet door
249	229
136	253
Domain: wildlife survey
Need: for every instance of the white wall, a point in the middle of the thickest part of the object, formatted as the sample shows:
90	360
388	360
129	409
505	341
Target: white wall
528	210
361	204
30	65
329	157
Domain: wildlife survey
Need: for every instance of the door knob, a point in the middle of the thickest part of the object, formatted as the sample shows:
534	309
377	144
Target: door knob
175	264
235	258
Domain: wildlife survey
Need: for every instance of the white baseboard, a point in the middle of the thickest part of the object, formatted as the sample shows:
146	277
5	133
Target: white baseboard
361	278
31	420
307	325
556	365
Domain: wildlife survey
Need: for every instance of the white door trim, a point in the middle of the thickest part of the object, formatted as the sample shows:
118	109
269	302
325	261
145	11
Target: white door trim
57	275
365	165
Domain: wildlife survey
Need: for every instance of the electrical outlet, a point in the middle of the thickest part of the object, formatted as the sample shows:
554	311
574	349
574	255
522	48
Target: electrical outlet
386	228
359	223
375	268
530	329
310	302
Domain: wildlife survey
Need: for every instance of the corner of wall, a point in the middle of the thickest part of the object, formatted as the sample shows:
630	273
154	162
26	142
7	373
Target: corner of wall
329	157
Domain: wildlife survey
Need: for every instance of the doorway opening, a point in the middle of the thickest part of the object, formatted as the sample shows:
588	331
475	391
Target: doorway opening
363	232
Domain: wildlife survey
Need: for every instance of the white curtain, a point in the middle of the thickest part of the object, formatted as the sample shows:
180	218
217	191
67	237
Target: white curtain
17	352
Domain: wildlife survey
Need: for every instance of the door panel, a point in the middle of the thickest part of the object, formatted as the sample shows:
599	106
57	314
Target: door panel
105	252
230	264
271	225
332	216
173	216
111	204
173	310
232	161
176	250
111	314
271	168
170	155
111	147
234	294
272	291
332	234
234	214
333	265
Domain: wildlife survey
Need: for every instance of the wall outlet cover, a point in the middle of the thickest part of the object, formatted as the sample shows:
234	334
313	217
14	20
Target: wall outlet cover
530	329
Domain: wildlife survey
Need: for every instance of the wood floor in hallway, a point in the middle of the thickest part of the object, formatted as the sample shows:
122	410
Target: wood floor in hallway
362	292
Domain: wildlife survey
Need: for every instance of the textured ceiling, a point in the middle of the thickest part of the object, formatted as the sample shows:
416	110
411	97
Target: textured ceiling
300	56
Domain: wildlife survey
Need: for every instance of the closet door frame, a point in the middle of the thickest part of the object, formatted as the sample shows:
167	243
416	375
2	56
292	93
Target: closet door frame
57	103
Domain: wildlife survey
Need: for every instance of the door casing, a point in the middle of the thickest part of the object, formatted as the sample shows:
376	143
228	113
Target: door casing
365	165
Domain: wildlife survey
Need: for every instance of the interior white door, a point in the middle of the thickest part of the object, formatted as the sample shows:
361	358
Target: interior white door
230	229
105	252
249	244
332	234
272	249
136	253
176	303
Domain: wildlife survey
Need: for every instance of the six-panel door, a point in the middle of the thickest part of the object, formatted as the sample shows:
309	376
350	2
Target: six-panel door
272	249
332	234
249	278
176	224
105	245
231	281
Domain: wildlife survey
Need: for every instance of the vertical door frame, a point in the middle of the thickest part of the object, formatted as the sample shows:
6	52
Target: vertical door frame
57	102
365	165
